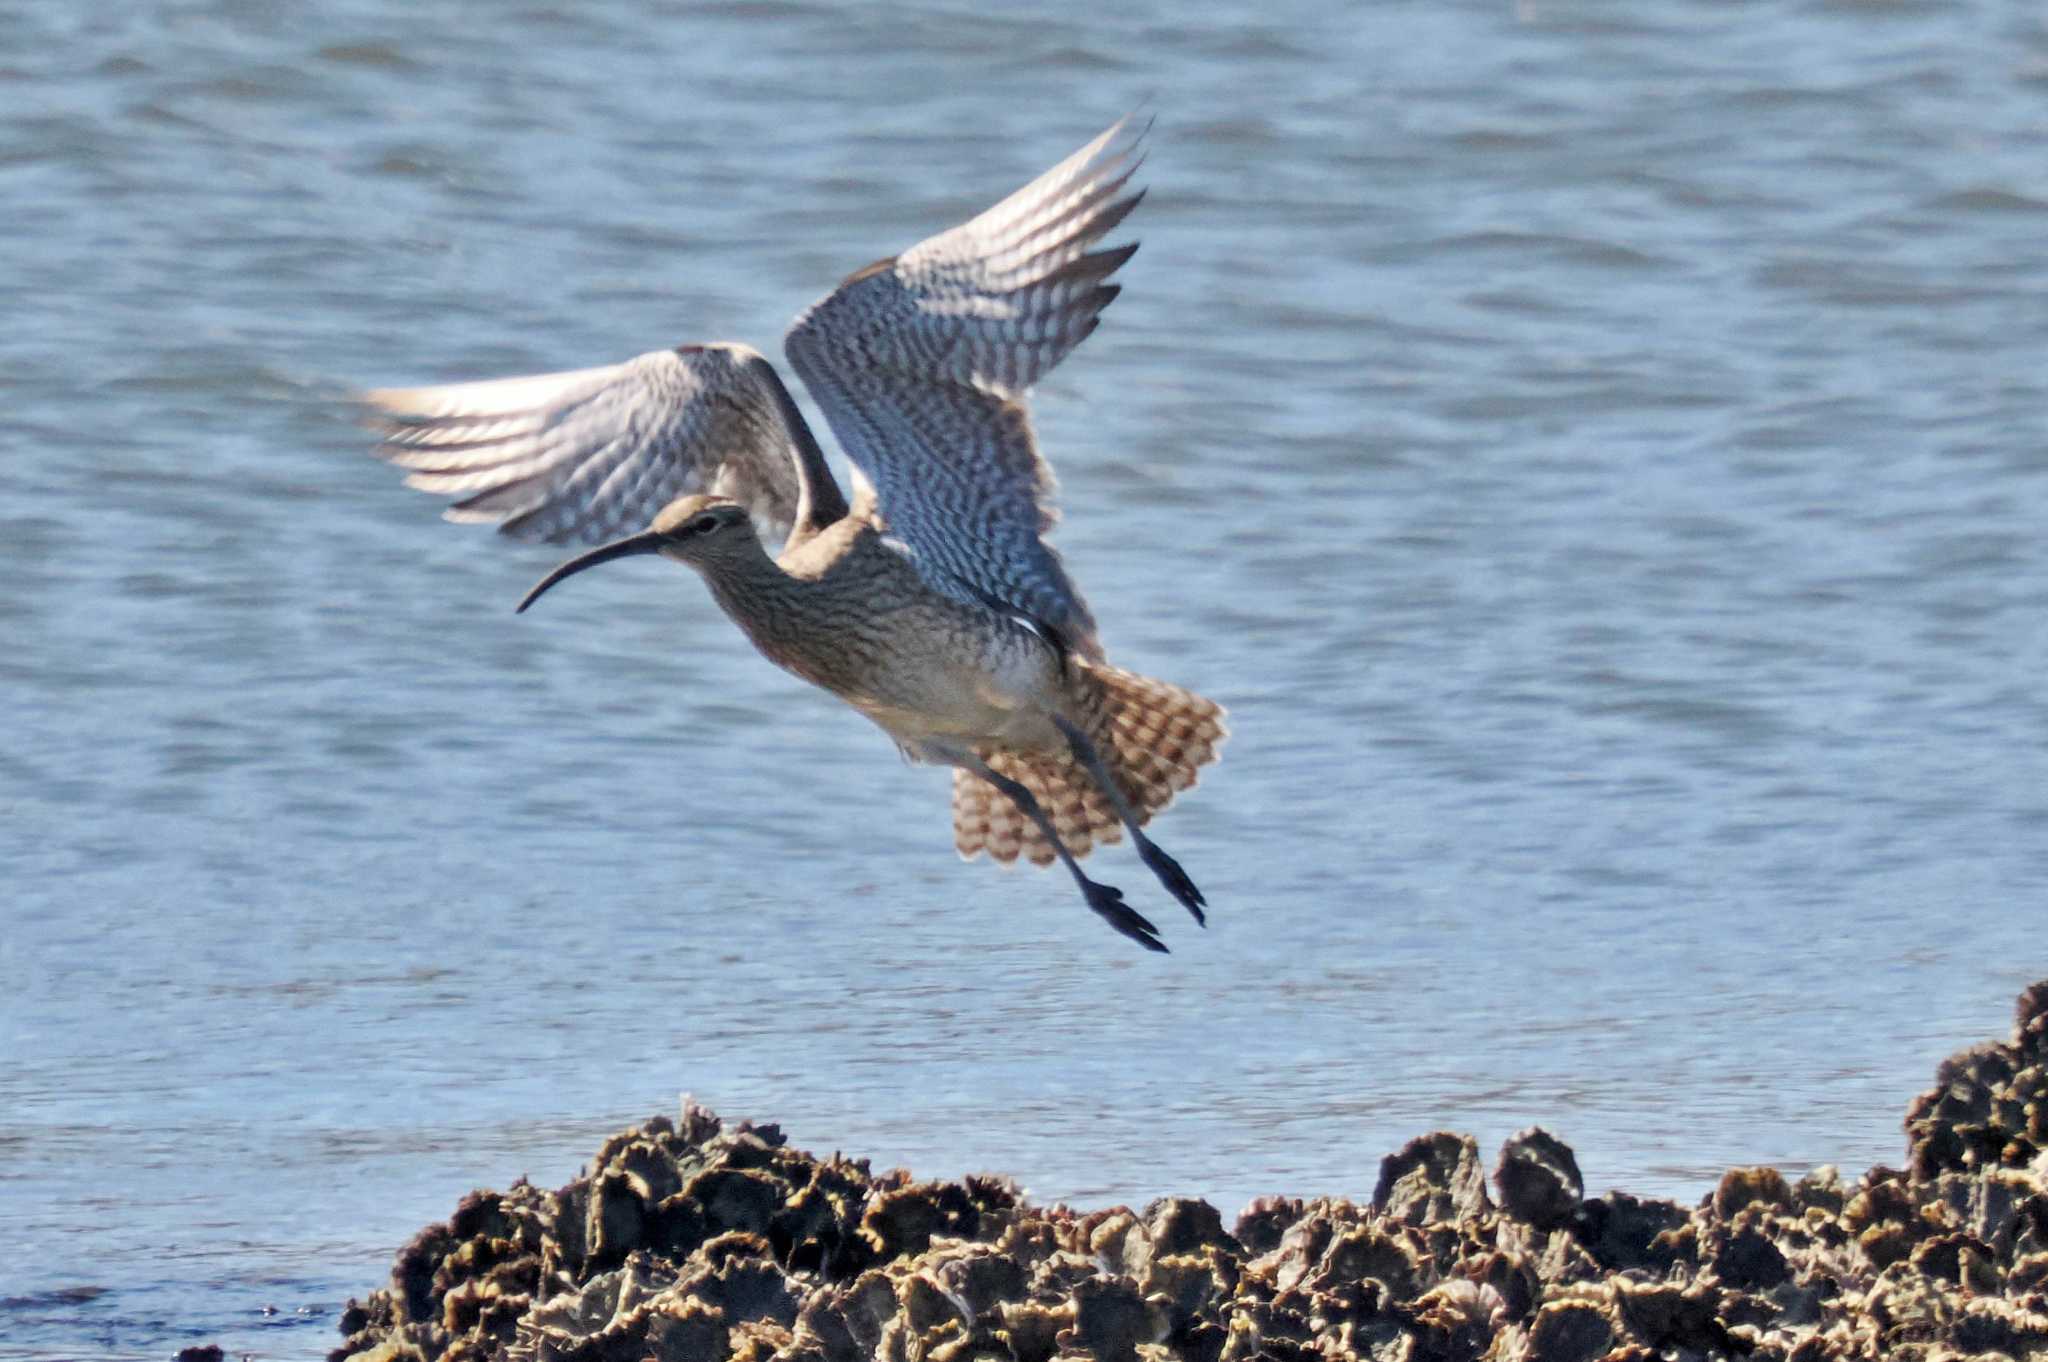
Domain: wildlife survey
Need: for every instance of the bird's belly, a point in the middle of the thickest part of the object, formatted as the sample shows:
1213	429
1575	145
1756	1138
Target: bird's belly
1002	701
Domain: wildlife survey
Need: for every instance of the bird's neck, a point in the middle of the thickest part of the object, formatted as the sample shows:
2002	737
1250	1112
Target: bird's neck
768	604
816	613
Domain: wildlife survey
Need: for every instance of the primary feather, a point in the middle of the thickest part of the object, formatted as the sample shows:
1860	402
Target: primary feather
921	364
587	455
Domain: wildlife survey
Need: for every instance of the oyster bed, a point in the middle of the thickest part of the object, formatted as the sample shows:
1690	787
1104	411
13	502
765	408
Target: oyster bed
695	1239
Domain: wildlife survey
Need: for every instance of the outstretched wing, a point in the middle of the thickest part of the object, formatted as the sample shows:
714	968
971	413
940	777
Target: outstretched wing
921	365
590	454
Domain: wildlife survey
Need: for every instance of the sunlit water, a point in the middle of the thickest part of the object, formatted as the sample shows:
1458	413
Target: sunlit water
1598	458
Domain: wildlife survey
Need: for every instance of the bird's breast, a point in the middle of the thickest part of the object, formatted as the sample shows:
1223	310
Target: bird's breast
852	616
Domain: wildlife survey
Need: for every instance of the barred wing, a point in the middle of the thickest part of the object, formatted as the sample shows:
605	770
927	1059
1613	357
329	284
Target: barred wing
591	454
921	364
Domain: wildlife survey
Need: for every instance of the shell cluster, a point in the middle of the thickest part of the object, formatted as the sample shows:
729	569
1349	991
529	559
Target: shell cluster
693	1239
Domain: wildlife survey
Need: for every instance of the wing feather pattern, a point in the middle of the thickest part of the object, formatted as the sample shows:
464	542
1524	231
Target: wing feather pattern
921	365
589	454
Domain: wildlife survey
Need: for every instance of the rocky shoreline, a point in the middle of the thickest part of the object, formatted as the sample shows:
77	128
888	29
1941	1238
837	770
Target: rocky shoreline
697	1239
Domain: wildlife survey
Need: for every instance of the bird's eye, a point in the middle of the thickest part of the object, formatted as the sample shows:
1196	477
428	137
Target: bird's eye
704	524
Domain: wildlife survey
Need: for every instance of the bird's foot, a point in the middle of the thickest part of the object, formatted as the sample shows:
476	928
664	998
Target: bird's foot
1108	901
1173	877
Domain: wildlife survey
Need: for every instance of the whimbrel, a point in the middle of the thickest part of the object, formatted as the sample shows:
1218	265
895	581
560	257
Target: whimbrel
931	602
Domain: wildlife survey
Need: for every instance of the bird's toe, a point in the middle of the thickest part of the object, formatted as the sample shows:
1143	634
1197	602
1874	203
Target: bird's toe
1108	901
1174	878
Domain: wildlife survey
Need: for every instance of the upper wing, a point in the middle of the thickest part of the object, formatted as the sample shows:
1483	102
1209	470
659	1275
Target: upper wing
921	364
594	453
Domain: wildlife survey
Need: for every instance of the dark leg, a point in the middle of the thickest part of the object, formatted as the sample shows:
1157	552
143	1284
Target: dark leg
1164	866
1106	900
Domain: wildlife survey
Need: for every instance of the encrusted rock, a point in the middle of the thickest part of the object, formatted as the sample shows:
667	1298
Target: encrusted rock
695	1241
1264	1221
1740	1187
1747	1259
1538	1179
1434	1178
1623	1232
1570	1331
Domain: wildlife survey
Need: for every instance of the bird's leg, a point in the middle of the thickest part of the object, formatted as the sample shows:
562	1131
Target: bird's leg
1106	900
1164	866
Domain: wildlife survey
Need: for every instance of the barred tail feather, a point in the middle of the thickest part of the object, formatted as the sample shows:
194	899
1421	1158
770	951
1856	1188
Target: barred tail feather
984	819
1154	736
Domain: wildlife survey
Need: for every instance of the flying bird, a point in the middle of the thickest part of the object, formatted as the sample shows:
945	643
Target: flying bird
930	601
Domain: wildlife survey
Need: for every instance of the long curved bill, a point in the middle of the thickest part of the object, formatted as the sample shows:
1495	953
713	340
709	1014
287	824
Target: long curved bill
632	546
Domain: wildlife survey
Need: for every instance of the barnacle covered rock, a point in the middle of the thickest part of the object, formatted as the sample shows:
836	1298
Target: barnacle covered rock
689	1240
1435	1179
1538	1179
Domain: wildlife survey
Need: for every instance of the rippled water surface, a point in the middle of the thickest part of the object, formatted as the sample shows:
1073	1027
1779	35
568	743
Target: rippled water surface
1596	452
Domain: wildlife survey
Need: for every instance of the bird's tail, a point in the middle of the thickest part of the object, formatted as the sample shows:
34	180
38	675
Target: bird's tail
1153	736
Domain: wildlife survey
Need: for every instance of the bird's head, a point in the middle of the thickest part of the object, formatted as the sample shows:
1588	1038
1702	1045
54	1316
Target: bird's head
696	529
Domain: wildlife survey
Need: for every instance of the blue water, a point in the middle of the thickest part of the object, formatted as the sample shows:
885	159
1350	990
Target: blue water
1596	455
